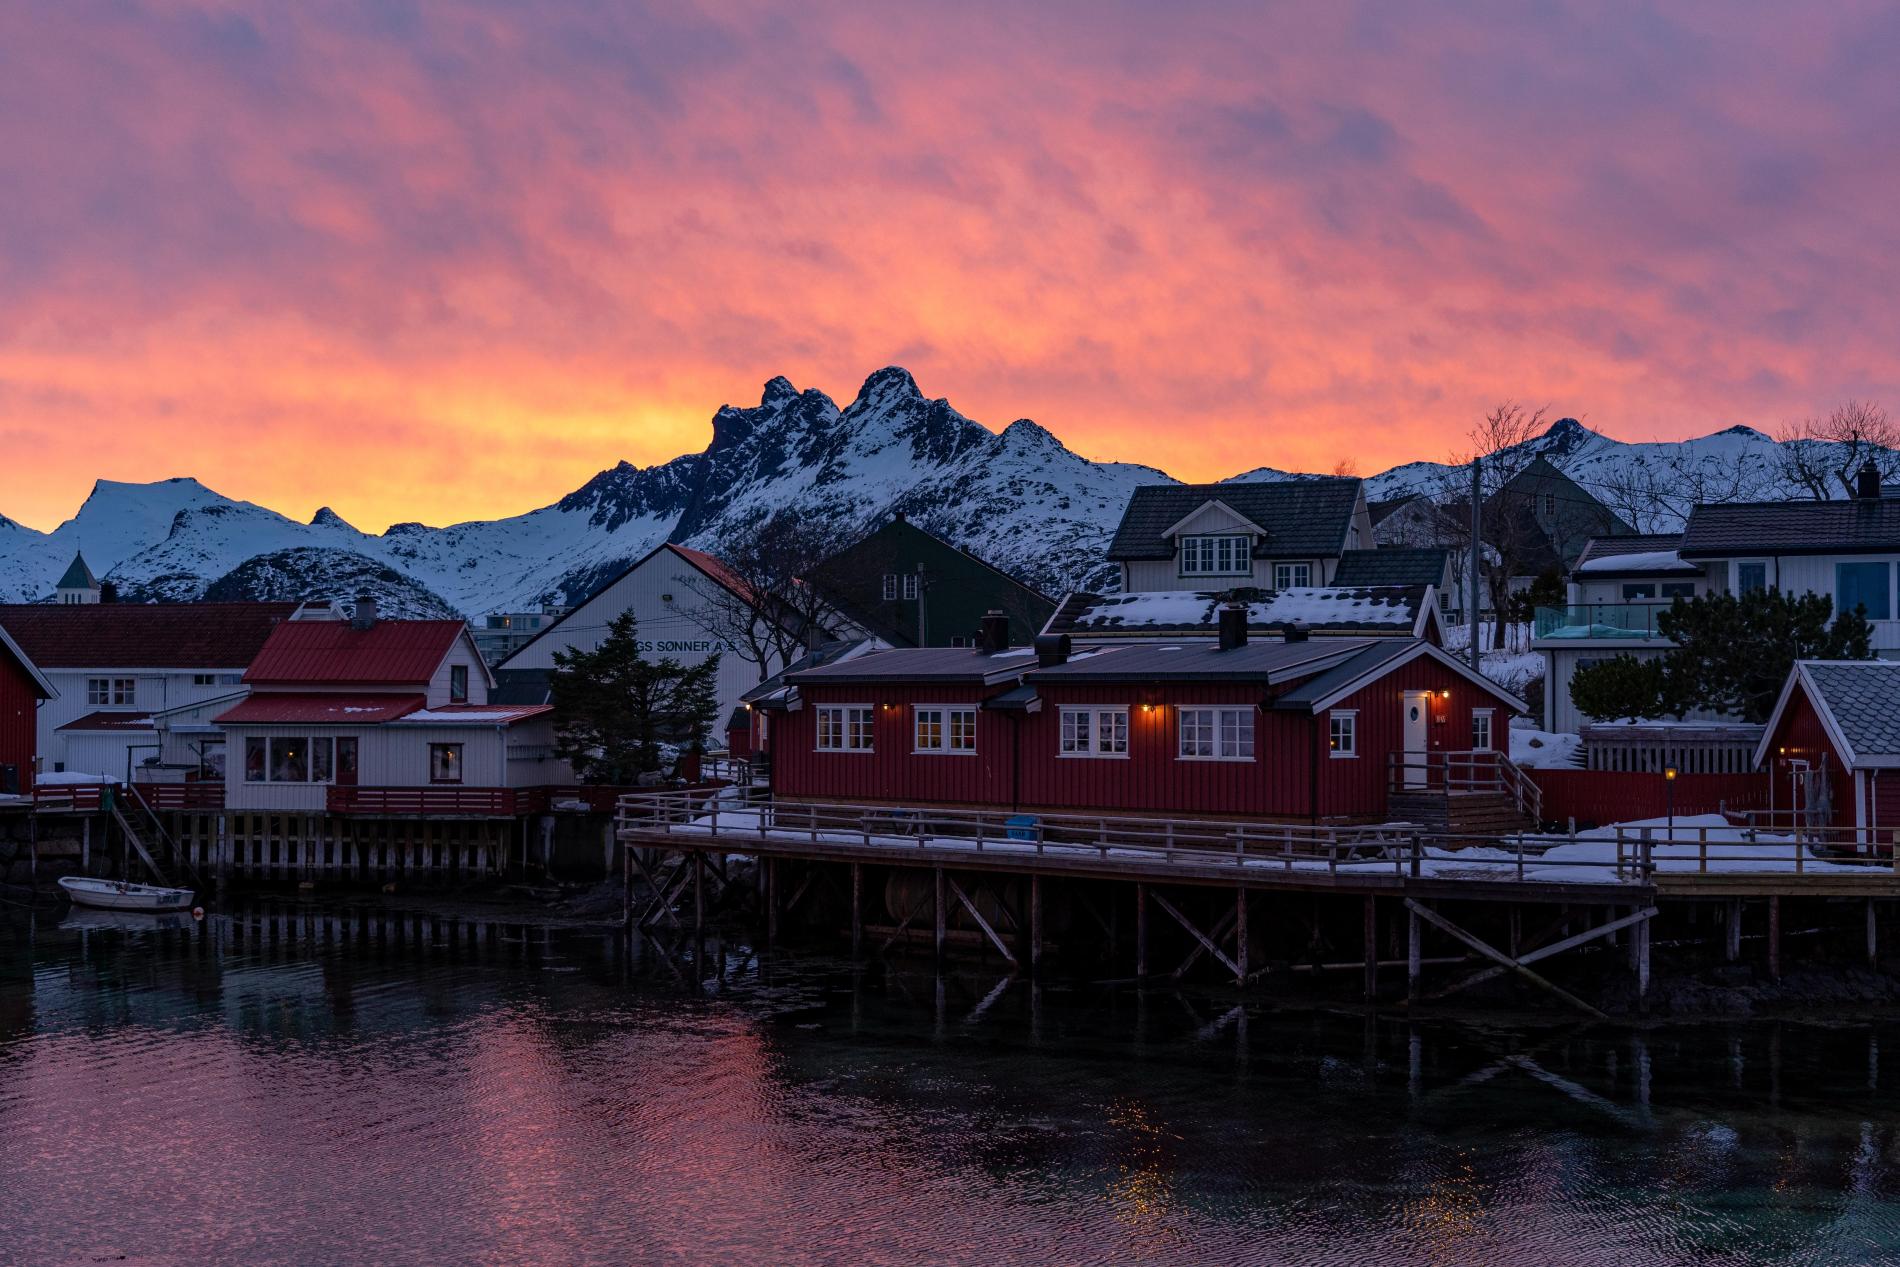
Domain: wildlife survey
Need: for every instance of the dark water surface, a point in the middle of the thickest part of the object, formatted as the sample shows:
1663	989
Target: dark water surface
355	1088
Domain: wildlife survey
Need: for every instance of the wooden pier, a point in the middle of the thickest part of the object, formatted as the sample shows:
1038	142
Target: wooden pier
1256	900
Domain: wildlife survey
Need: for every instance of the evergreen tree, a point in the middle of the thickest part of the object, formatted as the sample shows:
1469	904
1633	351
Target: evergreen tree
1622	686
613	707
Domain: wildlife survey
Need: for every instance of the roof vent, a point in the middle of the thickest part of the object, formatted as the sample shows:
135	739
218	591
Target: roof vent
1867	483
1294	631
1233	627
1051	650
994	636
365	617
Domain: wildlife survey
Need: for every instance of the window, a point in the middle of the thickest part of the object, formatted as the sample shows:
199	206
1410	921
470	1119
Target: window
1750	577
1678	589
1641	589
911	581
845	727
1550	504
445	763
204	679
1863	585
346	759
458	684
253	760
1292	575
1216	556
293	759
942	729
890	587
111	692
1094	732
1343	733
1216	734
1481	730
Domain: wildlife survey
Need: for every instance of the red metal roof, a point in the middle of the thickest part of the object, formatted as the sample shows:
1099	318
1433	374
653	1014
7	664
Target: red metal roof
142	635
713	567
281	708
336	653
476	714
105	720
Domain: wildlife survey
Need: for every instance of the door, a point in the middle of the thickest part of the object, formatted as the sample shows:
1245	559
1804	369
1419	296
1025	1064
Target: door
346	761
1417	726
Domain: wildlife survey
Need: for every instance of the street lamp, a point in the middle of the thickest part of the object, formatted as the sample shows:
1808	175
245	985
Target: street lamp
1669	790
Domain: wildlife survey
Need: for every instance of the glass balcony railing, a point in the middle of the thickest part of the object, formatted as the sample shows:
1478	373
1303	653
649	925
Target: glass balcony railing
1600	620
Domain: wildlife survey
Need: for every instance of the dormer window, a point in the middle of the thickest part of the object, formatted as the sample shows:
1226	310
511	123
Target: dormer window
1227	555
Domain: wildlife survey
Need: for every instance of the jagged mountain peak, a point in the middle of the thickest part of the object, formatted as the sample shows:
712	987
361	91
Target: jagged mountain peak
887	386
327	518
778	389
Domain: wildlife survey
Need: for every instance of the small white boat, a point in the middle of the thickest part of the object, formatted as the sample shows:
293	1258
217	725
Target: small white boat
116	895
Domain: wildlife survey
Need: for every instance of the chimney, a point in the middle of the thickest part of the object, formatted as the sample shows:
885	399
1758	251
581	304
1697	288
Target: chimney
365	616
995	635
897	516
1233	627
1051	649
1867	483
1294	631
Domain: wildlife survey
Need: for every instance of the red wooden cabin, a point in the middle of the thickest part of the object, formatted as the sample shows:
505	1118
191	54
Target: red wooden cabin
22	687
1296	730
1832	747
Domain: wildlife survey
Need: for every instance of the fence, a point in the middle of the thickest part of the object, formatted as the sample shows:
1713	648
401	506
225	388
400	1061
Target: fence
1455	773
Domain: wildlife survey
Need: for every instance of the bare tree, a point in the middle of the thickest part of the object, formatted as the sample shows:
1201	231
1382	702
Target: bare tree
1823	454
763	605
1347	468
1507	528
1657	495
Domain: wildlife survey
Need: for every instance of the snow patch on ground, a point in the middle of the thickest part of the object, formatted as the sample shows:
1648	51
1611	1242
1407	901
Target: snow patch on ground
1545	750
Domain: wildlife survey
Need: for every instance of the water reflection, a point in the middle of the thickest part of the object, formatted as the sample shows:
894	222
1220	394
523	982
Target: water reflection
309	1084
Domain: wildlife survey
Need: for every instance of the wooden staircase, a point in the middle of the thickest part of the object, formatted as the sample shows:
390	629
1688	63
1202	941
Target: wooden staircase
1471	794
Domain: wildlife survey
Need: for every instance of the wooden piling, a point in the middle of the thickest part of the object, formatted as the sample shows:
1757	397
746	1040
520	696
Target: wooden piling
857	909
771	901
942	914
1732	931
1413	940
1141	930
1035	923
1240	936
1873	937
1372	948
1774	936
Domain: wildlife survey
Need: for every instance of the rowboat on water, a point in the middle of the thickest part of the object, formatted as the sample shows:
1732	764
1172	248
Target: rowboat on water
116	895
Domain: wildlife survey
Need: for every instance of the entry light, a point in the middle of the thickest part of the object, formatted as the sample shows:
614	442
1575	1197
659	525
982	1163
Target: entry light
1670	773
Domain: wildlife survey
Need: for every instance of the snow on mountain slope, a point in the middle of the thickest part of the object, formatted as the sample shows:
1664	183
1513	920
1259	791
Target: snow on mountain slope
1018	498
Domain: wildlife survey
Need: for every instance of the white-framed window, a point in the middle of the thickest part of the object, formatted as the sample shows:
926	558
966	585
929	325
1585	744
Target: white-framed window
845	727
1342	732
1228	555
458	684
1550	504
890	587
293	759
1292	575
1094	732
943	728
911	582
445	763
204	679
1481	730
1216	734
111	692
1751	574
1639	589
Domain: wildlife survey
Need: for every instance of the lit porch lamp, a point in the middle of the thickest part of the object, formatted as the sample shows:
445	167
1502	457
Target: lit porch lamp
1669	796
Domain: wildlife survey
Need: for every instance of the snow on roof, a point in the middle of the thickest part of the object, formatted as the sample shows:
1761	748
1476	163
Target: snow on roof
1393	608
1648	561
474	714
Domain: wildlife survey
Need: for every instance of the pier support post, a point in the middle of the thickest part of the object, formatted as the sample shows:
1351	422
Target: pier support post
699	894
1372	949
1732	930
1774	936
1873	937
942	915
771	900
626	887
1240	937
1413	936
1639	940
1141	930
1035	924
857	909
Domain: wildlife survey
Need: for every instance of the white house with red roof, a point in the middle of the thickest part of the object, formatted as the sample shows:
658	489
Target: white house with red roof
118	668
380	717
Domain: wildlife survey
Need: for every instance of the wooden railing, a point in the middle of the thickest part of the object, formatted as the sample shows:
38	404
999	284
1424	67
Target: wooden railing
485	802
173	797
1459	772
1259	850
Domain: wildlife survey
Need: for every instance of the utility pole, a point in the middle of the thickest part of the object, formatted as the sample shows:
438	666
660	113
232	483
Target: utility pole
1477	546
923	630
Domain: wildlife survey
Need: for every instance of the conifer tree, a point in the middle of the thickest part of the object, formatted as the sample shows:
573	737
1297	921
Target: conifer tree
613	707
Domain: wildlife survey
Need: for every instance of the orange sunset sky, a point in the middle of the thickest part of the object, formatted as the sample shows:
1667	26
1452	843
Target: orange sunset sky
443	261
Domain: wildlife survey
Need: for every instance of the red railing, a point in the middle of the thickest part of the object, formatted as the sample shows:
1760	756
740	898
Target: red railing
1619	796
486	802
170	797
85	798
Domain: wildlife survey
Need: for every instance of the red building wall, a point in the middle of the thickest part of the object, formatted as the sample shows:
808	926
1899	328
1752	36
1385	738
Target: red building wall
1800	736
1292	775
18	700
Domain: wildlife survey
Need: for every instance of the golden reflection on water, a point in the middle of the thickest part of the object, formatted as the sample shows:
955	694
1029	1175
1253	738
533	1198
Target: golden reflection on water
1143	1194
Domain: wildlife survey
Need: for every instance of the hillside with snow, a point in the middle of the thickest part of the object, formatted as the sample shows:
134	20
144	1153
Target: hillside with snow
1017	497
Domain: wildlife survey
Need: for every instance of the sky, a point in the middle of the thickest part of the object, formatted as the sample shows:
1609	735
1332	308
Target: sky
444	261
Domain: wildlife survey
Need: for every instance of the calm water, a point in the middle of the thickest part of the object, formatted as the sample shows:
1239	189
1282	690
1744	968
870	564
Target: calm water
374	1090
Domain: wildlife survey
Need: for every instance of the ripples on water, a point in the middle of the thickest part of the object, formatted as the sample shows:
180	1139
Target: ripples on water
375	1090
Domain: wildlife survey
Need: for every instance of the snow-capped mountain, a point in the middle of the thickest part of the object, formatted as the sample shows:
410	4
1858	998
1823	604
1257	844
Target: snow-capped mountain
1018	497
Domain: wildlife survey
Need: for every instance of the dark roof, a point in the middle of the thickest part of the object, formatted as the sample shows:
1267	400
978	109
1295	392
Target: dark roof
109	721
1838	527
1864	699
1314	689
77	575
336	652
918	664
1386	609
825	653
1381	510
142	635
961	588
1636	543
1263	662
522	686
1392	565
1300	517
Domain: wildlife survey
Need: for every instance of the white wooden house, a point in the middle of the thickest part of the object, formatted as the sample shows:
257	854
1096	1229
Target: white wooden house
381	717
